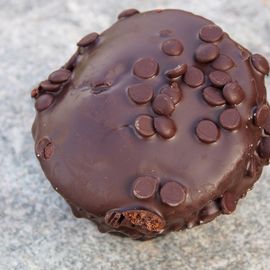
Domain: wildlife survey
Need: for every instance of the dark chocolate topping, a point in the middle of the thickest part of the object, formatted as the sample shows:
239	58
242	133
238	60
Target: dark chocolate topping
159	123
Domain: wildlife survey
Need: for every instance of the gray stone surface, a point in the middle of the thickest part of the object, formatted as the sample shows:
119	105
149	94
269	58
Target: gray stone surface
37	230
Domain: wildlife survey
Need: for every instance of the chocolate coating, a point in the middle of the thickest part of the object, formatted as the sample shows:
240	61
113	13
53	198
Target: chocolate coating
141	146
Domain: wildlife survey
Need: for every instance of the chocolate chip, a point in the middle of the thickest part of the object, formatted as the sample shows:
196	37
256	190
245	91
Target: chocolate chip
206	53
207	131
194	77
233	93
165	127
260	63
266	125
223	63
230	119
43	102
264	148
193	221
44	148
176	72
172	47
146	68
88	40
144	125
163	105
209	212
244	54
34	92
261	115
252	166
165	33
144	187
71	62
211	33
173	91
48	86
140	93
172	194
228	203
219	78
213	96
127	13
59	76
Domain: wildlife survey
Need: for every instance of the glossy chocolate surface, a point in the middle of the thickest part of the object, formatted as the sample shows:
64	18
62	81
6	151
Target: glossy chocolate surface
135	139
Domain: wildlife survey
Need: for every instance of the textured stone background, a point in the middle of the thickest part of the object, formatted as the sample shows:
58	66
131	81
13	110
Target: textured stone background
37	230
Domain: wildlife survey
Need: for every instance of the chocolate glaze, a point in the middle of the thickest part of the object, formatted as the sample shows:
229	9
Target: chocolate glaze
195	154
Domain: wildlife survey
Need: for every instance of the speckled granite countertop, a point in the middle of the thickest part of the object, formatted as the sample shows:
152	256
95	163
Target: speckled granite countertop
37	229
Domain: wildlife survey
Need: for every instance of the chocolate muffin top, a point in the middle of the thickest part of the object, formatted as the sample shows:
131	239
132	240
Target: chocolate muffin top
159	123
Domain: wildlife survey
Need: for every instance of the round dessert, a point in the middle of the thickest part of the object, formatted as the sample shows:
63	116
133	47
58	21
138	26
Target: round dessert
158	124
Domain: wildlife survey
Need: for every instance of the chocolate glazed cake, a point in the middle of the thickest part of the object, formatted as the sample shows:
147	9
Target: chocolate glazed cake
158	124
